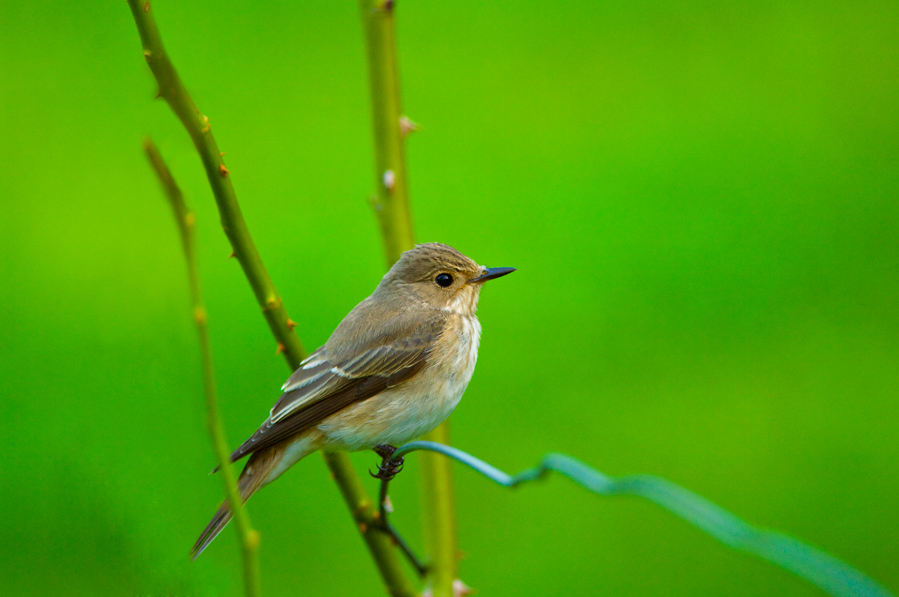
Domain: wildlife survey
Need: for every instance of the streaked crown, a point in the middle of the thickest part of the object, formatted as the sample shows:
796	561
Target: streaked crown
418	264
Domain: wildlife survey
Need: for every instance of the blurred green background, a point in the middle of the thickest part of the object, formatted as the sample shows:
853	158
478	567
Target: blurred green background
701	200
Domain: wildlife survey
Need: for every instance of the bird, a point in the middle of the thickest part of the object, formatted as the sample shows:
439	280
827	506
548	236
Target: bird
393	370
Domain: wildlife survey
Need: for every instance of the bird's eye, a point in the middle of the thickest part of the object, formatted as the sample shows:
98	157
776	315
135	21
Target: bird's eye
444	280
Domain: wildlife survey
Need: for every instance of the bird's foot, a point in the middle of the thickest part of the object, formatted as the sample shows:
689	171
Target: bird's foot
389	468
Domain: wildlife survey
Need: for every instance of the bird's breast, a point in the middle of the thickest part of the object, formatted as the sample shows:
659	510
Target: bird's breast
415	407
439	387
461	339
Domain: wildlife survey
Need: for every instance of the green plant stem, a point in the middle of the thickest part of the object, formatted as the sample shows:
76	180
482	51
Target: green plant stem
379	544
172	90
391	204
248	537
439	516
392	200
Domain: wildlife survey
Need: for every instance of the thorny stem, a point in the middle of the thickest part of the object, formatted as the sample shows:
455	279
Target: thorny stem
248	537
391	204
172	90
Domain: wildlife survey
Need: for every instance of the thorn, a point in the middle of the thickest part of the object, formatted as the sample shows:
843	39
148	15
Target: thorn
280	349
158	94
460	589
407	126
147	55
388	5
199	315
291	323
223	171
389	180
253	539
363	528
208	126
232	255
222	154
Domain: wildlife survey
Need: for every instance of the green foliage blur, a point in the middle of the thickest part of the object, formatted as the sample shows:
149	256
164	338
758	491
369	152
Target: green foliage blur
701	201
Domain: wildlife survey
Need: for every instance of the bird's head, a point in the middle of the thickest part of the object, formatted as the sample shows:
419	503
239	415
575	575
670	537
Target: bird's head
440	276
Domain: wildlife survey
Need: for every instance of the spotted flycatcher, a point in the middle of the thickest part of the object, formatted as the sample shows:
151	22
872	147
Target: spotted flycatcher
393	370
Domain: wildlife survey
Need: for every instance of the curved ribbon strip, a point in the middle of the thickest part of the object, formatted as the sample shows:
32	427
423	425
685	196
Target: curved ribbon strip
821	569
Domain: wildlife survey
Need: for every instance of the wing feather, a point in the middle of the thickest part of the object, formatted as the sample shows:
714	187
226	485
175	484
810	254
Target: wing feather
324	384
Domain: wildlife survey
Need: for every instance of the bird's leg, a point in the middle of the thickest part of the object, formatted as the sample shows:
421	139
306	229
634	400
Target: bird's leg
387	470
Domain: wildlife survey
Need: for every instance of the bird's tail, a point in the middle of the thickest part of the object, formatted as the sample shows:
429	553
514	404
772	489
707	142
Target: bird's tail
254	475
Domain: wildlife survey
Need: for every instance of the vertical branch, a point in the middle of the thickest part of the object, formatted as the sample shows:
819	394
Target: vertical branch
392	200
248	537
391	205
439	516
172	90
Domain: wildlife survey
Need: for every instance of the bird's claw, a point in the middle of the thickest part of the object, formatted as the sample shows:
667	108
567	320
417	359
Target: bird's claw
389	468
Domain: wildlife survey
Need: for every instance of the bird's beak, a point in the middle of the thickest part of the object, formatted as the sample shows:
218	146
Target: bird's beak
492	272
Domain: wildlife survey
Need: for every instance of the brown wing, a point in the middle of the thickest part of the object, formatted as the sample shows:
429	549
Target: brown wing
324	385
